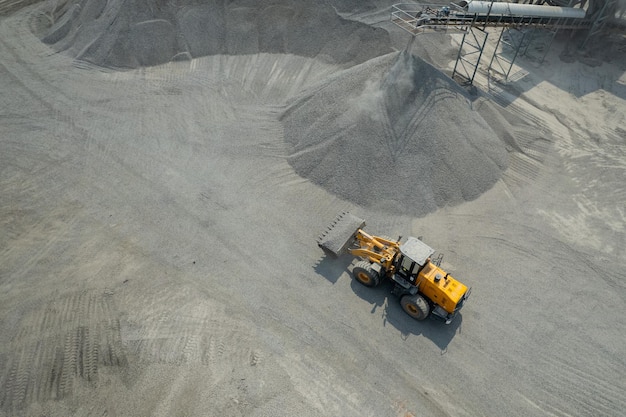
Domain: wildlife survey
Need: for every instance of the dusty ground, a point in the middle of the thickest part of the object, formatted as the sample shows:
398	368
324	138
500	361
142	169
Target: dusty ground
158	257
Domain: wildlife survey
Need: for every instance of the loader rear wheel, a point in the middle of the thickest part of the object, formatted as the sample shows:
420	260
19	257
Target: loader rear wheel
365	274
415	306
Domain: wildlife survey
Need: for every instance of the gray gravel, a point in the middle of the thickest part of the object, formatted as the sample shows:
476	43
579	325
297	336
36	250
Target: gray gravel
394	134
128	34
158	249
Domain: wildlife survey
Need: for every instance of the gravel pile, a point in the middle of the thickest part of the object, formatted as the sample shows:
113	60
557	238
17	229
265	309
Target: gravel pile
393	134
133	33
390	132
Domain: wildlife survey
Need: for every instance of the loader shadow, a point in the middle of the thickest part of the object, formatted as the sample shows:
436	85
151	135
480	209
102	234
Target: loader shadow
387	305
332	267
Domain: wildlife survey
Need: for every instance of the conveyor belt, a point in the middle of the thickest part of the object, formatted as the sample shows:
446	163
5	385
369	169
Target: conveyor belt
415	27
433	19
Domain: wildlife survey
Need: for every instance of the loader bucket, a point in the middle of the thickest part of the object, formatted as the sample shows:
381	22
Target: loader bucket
340	234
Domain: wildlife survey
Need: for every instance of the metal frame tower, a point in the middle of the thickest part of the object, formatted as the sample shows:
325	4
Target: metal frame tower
519	27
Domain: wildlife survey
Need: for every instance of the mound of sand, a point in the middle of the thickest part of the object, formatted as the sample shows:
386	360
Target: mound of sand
132	33
393	134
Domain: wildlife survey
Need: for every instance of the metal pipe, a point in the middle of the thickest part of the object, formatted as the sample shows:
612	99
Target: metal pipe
516	9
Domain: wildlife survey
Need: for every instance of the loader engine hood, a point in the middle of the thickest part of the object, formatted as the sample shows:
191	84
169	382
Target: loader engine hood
435	283
442	288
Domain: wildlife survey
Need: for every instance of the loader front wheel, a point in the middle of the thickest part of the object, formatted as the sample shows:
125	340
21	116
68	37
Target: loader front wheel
365	274
415	306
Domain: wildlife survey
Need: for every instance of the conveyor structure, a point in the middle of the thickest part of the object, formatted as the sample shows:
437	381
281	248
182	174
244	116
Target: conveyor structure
473	18
418	18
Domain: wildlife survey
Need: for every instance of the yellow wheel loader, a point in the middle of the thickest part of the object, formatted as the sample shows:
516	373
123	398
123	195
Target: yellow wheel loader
423	287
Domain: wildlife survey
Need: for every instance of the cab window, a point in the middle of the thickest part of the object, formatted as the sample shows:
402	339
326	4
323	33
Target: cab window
407	267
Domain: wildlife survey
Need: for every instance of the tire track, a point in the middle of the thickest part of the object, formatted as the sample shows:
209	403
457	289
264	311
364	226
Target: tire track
574	390
9	6
522	170
410	130
40	87
583	391
195	333
202	341
527	163
399	136
319	383
43	238
66	339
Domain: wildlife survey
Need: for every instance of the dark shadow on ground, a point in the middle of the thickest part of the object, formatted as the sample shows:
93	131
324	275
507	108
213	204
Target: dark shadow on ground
331	267
382	298
565	49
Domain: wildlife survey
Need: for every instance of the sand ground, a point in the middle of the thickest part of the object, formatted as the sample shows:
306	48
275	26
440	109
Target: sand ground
158	257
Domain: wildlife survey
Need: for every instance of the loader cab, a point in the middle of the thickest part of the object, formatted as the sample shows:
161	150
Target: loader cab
414	255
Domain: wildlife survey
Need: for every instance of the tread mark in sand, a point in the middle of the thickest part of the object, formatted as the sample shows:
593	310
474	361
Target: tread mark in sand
587	393
62	340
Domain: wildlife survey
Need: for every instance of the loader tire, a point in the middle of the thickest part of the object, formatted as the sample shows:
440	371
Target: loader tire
415	306
365	274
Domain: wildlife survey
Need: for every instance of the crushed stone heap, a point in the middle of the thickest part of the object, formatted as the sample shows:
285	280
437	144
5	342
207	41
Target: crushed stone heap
134	33
393	134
